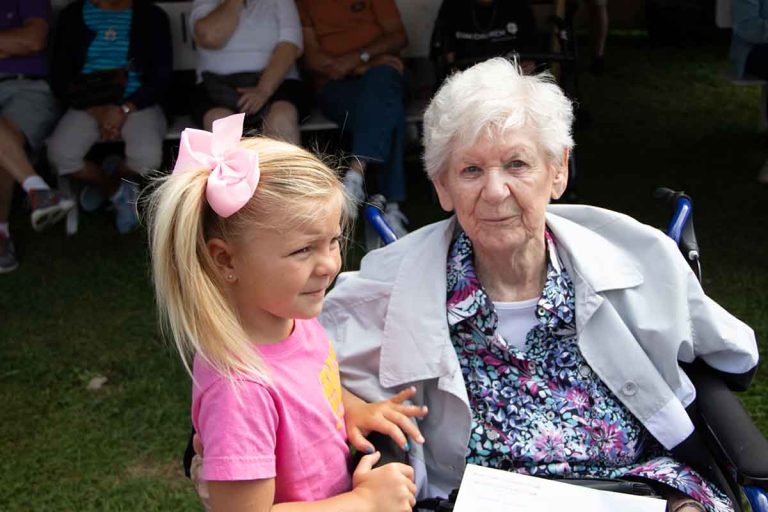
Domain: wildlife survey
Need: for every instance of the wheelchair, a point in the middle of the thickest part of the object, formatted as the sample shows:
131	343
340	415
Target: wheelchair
726	446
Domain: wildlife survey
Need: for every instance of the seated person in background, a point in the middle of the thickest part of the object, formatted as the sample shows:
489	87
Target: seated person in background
471	31
352	46
749	46
28	112
112	67
246	62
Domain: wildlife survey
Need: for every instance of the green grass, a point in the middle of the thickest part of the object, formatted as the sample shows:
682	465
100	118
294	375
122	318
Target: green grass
82	306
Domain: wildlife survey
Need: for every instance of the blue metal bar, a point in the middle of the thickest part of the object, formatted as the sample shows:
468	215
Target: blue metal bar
683	209
375	218
757	497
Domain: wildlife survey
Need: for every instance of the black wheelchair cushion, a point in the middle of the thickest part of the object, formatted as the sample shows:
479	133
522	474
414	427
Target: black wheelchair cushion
730	428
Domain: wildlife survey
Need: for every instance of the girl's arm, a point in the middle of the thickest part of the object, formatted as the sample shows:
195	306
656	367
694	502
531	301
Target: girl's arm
390	417
389	488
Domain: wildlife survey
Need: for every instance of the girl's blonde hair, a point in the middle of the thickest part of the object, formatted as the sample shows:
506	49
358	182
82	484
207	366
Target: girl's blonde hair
191	299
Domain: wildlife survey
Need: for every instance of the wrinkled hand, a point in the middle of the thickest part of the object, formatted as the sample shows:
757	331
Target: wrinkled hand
252	99
381	60
110	119
389	488
389	417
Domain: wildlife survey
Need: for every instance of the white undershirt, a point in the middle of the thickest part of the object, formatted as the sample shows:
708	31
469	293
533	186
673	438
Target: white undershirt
515	320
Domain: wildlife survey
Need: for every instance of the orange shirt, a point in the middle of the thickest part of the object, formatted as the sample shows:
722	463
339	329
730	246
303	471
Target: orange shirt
343	26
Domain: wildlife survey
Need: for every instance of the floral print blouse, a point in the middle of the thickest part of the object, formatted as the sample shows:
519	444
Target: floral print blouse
541	410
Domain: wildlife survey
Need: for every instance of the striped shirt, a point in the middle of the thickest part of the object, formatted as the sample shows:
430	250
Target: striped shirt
109	49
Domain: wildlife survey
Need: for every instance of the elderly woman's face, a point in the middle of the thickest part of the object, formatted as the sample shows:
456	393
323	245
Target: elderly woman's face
500	187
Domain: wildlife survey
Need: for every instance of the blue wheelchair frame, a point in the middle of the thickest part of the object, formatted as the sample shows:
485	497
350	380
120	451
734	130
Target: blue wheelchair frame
745	459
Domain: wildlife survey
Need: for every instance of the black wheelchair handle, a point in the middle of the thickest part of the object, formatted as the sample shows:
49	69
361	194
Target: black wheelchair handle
666	194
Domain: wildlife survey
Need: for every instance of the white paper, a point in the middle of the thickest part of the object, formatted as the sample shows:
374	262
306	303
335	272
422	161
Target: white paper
487	490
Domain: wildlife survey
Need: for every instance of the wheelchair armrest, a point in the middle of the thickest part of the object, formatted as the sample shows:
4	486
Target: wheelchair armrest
729	428
384	444
189	453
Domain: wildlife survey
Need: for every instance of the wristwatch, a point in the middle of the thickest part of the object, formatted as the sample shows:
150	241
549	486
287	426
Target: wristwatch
126	109
365	56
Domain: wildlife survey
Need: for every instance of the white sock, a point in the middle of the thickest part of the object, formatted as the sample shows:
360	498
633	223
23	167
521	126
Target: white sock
34	182
4	229
354	177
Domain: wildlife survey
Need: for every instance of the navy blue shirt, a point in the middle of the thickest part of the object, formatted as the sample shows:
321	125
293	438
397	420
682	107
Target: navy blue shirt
477	32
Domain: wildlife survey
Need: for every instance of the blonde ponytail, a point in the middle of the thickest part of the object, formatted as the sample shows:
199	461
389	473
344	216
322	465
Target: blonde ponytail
191	298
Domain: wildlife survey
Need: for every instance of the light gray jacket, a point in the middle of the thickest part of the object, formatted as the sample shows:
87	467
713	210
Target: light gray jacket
639	309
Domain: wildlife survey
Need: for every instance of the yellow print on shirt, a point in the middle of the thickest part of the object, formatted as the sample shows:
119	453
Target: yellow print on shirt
329	378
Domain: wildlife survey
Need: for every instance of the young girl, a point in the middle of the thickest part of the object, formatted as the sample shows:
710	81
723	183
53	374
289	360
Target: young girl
245	239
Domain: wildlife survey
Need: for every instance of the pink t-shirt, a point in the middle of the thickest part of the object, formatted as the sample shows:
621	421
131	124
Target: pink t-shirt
291	430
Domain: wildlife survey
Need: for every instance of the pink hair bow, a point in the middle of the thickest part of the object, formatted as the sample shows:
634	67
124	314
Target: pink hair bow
234	169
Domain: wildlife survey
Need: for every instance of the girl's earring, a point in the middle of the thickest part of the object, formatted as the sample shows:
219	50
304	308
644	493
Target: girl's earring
230	277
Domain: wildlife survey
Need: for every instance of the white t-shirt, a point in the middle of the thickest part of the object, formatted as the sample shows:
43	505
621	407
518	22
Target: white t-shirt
515	320
263	24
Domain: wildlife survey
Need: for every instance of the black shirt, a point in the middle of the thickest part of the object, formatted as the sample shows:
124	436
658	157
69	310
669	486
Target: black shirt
476	32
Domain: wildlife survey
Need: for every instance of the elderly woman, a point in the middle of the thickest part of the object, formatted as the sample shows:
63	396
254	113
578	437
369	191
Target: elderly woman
544	339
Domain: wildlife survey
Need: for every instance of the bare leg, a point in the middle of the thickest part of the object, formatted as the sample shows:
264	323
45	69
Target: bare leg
92	175
6	195
8	260
214	114
357	166
13	157
125	172
598	20
282	122
600	27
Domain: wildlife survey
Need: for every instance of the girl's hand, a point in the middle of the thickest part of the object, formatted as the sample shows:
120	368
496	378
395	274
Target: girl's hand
389	417
389	488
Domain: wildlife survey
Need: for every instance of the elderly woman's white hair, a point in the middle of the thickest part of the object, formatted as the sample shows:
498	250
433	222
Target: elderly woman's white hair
487	100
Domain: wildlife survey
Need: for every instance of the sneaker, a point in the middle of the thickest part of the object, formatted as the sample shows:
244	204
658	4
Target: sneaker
8	261
91	199
355	187
126	216
48	207
396	219
762	176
